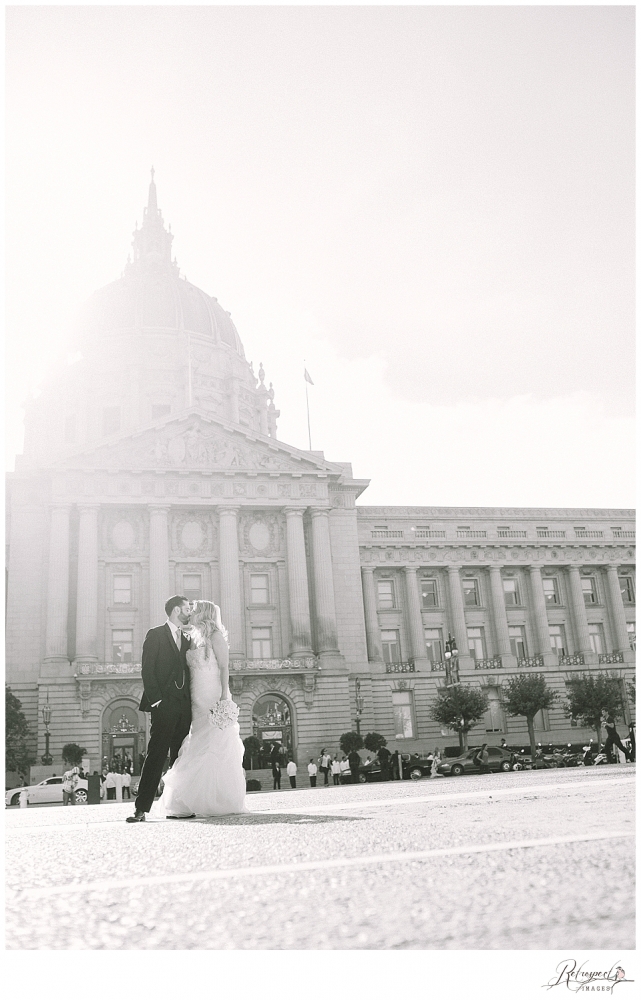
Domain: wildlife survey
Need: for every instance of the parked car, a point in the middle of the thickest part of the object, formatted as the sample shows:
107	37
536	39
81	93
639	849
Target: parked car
49	790
414	767
499	760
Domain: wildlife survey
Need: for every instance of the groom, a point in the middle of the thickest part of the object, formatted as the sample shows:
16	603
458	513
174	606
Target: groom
165	680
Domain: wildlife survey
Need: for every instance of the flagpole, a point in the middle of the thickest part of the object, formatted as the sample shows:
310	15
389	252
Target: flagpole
309	432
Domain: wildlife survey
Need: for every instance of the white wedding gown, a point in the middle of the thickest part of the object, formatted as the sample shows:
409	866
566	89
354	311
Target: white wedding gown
207	777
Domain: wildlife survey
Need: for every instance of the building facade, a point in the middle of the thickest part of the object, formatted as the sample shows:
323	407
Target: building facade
165	475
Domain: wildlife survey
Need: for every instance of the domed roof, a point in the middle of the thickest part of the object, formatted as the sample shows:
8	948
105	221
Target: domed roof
151	295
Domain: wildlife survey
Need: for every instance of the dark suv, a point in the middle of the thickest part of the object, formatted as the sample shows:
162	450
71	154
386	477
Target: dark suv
499	760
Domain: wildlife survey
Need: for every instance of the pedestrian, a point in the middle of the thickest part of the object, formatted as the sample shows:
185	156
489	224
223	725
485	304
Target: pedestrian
110	785
276	772
291	773
69	784
344	768
503	744
126	784
436	760
613	738
118	780
354	765
482	759
312	771
335	768
395	761
384	756
324	761
633	744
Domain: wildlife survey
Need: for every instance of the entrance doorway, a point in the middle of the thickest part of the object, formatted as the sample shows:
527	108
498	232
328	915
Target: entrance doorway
272	725
123	738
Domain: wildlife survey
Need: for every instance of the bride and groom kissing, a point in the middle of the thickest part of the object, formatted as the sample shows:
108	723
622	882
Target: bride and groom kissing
185	677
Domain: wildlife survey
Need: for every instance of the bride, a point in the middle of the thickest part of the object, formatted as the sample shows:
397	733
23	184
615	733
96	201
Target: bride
207	778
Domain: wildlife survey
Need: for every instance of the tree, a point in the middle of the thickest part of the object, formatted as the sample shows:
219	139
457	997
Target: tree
374	742
591	697
526	695
18	757
349	742
252	749
459	708
73	754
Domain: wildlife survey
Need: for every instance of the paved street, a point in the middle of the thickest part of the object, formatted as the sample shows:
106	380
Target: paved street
527	860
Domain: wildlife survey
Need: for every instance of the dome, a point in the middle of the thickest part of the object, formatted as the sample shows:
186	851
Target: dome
151	295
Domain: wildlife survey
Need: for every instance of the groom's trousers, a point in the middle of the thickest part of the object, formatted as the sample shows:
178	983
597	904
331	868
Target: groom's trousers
170	723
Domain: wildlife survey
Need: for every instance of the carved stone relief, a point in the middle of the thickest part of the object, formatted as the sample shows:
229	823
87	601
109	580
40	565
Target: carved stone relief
122	532
261	534
192	534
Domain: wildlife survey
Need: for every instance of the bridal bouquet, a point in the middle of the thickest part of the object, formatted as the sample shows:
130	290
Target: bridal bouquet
223	714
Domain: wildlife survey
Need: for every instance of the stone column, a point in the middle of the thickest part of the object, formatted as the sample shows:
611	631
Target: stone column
501	628
325	605
579	617
457	617
230	590
417	635
158	562
56	650
540	613
372	631
617	611
301	634
87	599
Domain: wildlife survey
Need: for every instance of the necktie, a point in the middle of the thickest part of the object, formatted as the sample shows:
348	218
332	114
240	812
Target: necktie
178	638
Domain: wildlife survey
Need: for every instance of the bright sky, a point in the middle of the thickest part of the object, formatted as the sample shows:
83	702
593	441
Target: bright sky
430	208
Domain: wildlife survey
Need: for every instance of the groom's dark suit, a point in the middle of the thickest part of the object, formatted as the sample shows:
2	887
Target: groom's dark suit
165	678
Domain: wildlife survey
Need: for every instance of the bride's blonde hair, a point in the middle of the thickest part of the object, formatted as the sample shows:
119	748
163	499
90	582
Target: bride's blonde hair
206	618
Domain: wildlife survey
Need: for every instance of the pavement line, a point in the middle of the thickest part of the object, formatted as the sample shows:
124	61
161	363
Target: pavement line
302	866
362	804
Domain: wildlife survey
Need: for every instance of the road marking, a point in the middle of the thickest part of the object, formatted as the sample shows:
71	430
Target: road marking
306	866
362	804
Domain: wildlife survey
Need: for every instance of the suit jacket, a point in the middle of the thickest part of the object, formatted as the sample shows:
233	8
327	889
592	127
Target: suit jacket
162	664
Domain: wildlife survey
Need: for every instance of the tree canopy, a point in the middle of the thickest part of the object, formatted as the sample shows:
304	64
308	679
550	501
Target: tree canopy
459	708
374	742
350	742
526	695
593	697
73	754
18	756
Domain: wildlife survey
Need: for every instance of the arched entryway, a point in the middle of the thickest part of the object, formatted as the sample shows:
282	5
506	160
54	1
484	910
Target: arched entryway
273	725
123	734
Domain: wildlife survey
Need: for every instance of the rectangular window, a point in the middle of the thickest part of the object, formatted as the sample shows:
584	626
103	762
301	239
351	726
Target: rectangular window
122	590
588	586
632	635
403	715
551	590
557	639
192	586
261	643
110	419
627	589
429	593
122	645
517	641
391	645
511	591
597	639
471	592
159	410
259	588
70	429
476	643
385	594
494	720
434	645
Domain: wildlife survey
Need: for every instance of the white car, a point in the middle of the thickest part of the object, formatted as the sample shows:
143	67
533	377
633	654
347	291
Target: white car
49	790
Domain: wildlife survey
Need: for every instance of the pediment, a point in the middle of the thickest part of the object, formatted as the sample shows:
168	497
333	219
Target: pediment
195	443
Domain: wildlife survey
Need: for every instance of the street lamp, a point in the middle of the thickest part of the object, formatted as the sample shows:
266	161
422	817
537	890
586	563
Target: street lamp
360	704
451	661
46	758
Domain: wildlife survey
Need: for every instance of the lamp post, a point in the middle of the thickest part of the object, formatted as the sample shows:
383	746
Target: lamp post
46	718
360	704
451	661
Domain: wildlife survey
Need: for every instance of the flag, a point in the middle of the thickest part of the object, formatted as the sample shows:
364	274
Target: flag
308	378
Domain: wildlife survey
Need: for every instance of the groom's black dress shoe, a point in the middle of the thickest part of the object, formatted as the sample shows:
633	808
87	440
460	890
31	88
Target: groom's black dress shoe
191	816
138	817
